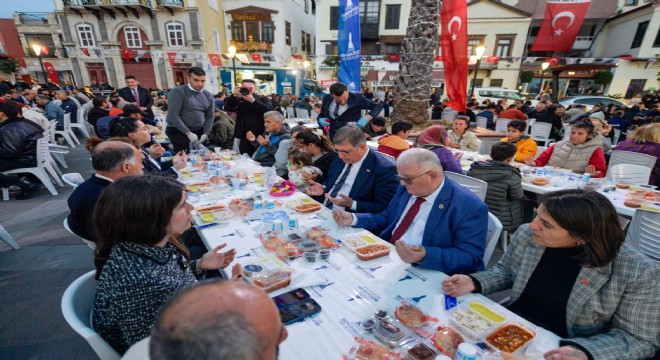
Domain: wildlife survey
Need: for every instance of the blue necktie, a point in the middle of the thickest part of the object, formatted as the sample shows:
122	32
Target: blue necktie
338	185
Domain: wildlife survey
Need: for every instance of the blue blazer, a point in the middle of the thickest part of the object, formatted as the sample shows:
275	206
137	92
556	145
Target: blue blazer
374	186
356	103
455	234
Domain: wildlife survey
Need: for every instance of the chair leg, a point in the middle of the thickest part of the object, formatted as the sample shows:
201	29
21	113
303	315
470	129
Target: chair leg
73	136
504	237
67	137
4	235
83	128
54	173
59	158
41	174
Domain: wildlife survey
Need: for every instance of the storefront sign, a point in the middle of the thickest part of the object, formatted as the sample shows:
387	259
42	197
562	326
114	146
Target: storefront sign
250	17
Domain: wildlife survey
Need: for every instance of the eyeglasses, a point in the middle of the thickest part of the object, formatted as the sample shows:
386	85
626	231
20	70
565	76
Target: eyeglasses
345	152
409	181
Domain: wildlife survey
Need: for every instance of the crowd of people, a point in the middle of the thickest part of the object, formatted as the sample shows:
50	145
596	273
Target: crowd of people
598	294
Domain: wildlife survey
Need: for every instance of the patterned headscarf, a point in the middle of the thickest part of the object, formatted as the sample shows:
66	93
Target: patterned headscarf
435	135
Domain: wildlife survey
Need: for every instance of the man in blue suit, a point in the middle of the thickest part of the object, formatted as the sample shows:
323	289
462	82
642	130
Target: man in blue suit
359	180
342	107
434	222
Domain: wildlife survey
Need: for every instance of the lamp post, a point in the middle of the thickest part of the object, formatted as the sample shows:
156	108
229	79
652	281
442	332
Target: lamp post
544	66
479	53
305	65
232	55
37	50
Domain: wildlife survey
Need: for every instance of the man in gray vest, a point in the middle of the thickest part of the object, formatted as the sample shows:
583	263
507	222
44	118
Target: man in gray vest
190	112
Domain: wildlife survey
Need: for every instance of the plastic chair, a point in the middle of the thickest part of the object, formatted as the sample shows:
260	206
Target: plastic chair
81	124
530	122
494	231
541	132
501	125
629	174
479	145
77	303
629	157
43	166
475	185
617	136
57	152
644	233
66	131
482	122
388	157
567	132
89	243
73	179
291	112
4	236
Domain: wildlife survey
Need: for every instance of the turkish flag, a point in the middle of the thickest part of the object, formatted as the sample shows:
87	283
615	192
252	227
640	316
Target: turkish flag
438	58
52	74
215	60
45	50
553	61
561	24
85	51
126	54
453	42
492	59
297	56
256	58
171	56
393	57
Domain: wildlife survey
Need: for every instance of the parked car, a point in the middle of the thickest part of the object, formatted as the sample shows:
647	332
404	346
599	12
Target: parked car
496	93
589	101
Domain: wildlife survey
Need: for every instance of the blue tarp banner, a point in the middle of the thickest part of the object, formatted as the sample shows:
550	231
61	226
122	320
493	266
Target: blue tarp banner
348	42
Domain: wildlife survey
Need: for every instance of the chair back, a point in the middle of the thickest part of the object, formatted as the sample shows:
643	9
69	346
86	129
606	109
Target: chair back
77	303
617	136
644	233
388	157
291	112
482	122
567	132
43	153
530	122
540	131
494	230
89	243
629	174
53	124
73	179
629	157
501	124
67	121
82	115
479	145
475	185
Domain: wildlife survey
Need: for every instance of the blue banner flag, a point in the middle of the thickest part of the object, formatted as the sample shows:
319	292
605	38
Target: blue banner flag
348	42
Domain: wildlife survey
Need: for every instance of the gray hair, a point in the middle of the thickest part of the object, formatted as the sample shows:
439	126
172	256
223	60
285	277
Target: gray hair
351	134
111	155
276	115
42	97
419	157
62	92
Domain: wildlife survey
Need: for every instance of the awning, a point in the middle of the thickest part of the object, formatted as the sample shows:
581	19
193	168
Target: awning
390	75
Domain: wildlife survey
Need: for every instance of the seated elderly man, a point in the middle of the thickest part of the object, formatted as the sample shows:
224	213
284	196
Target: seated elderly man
51	110
269	143
360	179
111	160
434	222
221	320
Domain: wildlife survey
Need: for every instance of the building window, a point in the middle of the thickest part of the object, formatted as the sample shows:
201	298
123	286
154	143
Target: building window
504	46
287	26
85	35
392	49
334	17
392	16
175	34
132	35
308	42
496	82
473	42
252	31
313	7
631	2
303	42
369	11
237	32
656	42
306	6
216	40
639	34
267	31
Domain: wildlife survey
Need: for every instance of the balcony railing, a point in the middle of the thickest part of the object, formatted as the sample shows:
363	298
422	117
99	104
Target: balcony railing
83	3
178	3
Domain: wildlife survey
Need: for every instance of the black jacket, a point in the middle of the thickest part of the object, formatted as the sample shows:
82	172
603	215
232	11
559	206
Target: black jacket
145	98
503	193
95	114
18	140
249	117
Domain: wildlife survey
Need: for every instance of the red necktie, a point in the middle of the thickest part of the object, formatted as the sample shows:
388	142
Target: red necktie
137	98
407	220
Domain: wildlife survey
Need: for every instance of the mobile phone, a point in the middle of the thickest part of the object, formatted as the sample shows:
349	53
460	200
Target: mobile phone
290	298
297	312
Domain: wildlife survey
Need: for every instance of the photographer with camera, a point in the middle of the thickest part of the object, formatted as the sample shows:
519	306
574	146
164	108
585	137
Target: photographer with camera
250	109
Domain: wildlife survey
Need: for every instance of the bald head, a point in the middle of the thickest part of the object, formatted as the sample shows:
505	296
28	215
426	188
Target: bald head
217	320
114	159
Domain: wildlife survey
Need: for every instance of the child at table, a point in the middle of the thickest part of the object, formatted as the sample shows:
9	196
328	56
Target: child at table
525	145
396	143
504	192
300	163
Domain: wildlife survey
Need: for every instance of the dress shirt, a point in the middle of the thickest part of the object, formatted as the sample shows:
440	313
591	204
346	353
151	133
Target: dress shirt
348	184
415	233
103	177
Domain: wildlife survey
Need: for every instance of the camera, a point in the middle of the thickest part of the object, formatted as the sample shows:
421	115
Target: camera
244	91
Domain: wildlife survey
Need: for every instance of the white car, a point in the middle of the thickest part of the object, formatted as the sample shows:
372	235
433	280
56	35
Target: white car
496	93
589	101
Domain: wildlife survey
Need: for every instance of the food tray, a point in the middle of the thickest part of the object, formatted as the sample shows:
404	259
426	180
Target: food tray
208	217
308	208
510	337
362	238
373	251
474	318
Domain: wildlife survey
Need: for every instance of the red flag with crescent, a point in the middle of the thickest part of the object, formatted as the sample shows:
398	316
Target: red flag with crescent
297	56
453	42
561	24
126	54
256	58
215	60
52	74
85	51
171	56
45	50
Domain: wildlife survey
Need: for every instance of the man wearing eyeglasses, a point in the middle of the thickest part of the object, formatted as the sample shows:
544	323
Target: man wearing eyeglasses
360	180
433	222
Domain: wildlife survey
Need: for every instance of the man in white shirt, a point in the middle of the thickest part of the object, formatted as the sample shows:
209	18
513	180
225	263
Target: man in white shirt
433	222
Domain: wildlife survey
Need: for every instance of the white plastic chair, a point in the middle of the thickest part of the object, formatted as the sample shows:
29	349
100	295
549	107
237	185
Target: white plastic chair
540	132
475	185
629	174
4	236
530	122
291	112
501	125
617	136
66	131
629	157
494	231
567	132
73	179
479	145
482	122
77	303
89	243
644	233
81	124
388	157
57	152
43	166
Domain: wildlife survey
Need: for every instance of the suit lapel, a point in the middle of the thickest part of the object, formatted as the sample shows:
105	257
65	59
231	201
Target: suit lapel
589	281
363	174
533	253
438	210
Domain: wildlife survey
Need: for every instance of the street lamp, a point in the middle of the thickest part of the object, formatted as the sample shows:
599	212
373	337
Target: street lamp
544	66
479	53
232	55
305	65
37	50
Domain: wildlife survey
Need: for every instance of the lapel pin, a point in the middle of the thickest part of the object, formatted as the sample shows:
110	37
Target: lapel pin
368	170
441	206
585	281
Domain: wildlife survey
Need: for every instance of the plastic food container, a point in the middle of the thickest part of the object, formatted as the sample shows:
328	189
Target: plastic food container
372	251
271	281
474	318
391	332
419	350
363	238
510	337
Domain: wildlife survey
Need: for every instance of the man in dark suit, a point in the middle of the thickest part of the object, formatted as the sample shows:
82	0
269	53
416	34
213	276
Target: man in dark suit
360	180
143	100
341	107
433	222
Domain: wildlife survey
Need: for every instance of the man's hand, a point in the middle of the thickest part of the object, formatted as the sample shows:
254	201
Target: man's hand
156	151
457	285
323	122
179	160
565	353
192	137
343	218
410	254
250	136
143	108
203	138
263	140
249	98
341	200
362	122
316	189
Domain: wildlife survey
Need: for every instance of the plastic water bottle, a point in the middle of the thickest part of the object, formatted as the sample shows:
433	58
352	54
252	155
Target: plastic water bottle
584	179
540	172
